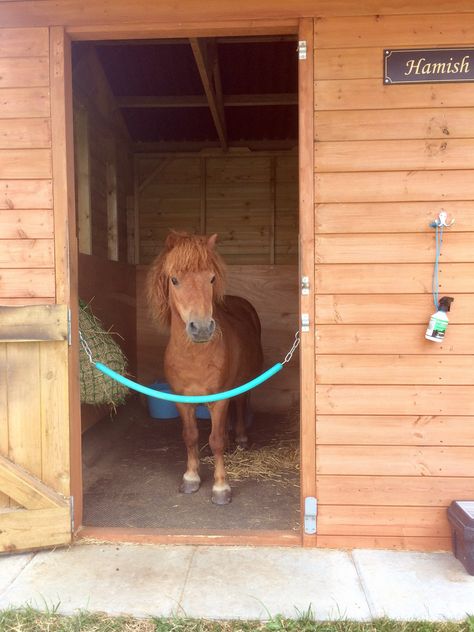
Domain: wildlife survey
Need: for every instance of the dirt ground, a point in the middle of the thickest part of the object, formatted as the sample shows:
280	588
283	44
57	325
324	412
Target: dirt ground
133	466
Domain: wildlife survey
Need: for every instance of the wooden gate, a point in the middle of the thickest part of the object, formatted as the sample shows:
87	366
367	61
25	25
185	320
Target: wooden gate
34	427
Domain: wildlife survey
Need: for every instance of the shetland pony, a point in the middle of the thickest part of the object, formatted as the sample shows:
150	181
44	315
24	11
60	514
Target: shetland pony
214	345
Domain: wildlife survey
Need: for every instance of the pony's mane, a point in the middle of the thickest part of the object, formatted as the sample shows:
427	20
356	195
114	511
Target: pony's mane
182	253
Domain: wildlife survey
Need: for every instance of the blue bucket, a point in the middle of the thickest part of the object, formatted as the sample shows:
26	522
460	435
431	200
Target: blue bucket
161	409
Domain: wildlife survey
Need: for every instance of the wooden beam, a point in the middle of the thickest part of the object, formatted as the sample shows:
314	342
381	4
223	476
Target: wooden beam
206	72
33	323
214	147
34	528
25	489
197	101
239	39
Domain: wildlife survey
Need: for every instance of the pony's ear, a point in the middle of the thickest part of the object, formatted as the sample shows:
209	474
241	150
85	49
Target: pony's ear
172	239
157	292
211	241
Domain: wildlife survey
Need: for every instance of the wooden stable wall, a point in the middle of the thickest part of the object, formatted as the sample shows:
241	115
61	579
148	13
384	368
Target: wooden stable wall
395	413
249	198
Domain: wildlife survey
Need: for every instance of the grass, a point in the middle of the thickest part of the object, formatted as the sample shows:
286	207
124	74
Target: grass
30	620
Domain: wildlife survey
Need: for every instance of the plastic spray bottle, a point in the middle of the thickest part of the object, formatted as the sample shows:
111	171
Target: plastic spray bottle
439	320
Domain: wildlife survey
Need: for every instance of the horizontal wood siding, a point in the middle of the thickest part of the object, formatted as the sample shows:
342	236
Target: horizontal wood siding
395	420
26	198
251	201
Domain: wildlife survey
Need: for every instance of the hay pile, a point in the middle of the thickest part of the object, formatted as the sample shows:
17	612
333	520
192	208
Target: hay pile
97	388
271	463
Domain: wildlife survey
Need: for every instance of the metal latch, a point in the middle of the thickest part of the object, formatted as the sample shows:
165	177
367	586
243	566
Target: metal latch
310	513
304	285
302	48
69	328
305	322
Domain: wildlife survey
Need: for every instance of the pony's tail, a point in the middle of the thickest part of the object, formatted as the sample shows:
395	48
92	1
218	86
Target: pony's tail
157	292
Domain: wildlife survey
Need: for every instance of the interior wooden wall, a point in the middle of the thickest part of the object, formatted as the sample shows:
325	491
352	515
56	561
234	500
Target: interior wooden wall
395	413
249	198
109	144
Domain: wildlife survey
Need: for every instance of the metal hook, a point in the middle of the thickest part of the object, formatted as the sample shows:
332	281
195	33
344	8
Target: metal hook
441	221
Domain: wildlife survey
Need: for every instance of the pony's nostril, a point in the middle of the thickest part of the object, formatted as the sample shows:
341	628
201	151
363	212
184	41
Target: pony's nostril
193	327
212	325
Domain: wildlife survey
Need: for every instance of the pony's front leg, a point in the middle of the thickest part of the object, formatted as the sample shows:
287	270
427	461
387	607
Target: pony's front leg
221	492
191	479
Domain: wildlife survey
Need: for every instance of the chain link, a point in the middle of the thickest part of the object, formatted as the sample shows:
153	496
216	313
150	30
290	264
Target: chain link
86	347
290	353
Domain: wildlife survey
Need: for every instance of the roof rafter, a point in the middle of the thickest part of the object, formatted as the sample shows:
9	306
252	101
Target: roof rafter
205	54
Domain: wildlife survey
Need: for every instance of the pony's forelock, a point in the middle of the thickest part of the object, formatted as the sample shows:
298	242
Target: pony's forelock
182	253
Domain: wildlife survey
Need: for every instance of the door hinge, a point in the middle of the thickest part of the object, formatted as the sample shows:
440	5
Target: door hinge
69	328
305	285
304	322
302	48
310	513
71	507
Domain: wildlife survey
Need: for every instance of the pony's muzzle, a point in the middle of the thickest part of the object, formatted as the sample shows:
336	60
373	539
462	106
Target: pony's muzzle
201	330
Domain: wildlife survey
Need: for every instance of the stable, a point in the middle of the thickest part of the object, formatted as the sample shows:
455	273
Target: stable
275	127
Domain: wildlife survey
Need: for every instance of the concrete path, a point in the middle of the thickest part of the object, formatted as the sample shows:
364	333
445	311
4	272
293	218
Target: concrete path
238	582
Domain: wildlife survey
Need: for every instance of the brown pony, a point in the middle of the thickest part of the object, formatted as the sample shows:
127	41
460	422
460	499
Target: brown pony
214	345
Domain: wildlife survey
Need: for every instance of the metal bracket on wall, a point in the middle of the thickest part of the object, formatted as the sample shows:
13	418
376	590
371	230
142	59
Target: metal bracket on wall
310	513
302	49
304	285
305	322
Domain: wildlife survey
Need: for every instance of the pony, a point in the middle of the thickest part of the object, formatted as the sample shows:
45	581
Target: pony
214	345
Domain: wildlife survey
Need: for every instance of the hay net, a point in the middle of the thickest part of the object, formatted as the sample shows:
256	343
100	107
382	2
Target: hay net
97	388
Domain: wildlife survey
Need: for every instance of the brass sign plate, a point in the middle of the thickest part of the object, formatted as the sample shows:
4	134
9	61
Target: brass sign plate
428	65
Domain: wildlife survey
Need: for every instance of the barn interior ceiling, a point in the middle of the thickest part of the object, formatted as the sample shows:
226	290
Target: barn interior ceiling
218	92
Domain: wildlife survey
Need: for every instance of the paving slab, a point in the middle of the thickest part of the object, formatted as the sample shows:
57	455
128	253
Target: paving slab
405	585
116	579
256	583
10	568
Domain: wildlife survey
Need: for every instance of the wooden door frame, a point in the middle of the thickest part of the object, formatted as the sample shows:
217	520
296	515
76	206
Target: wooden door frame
303	28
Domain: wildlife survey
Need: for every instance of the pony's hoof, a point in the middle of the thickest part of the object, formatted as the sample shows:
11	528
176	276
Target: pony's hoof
221	496
242	443
189	487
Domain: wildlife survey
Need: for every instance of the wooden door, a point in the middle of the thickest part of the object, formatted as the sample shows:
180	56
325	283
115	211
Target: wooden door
34	427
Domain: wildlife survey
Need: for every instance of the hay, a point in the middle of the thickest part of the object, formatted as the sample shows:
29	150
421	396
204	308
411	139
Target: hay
272	462
97	388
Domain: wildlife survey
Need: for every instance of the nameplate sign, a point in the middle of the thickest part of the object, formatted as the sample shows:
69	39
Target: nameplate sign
429	65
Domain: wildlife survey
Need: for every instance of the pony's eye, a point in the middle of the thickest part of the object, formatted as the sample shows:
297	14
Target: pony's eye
174	280
213	279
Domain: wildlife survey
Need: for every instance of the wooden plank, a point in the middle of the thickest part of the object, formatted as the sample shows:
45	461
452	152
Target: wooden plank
394	369
420	123
227	14
34	528
350	520
378	309
24	103
403	278
112	209
421	491
198	101
390	217
4	500
25	133
394	248
33	323
395	461
394	155
23	42
26	224
396	543
306	267
395	430
27	490
29	72
24	406
399	400
55	442
26	253
82	174
398	31
391	339
395	186
26	284
348	63
18	163
363	94
26	194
